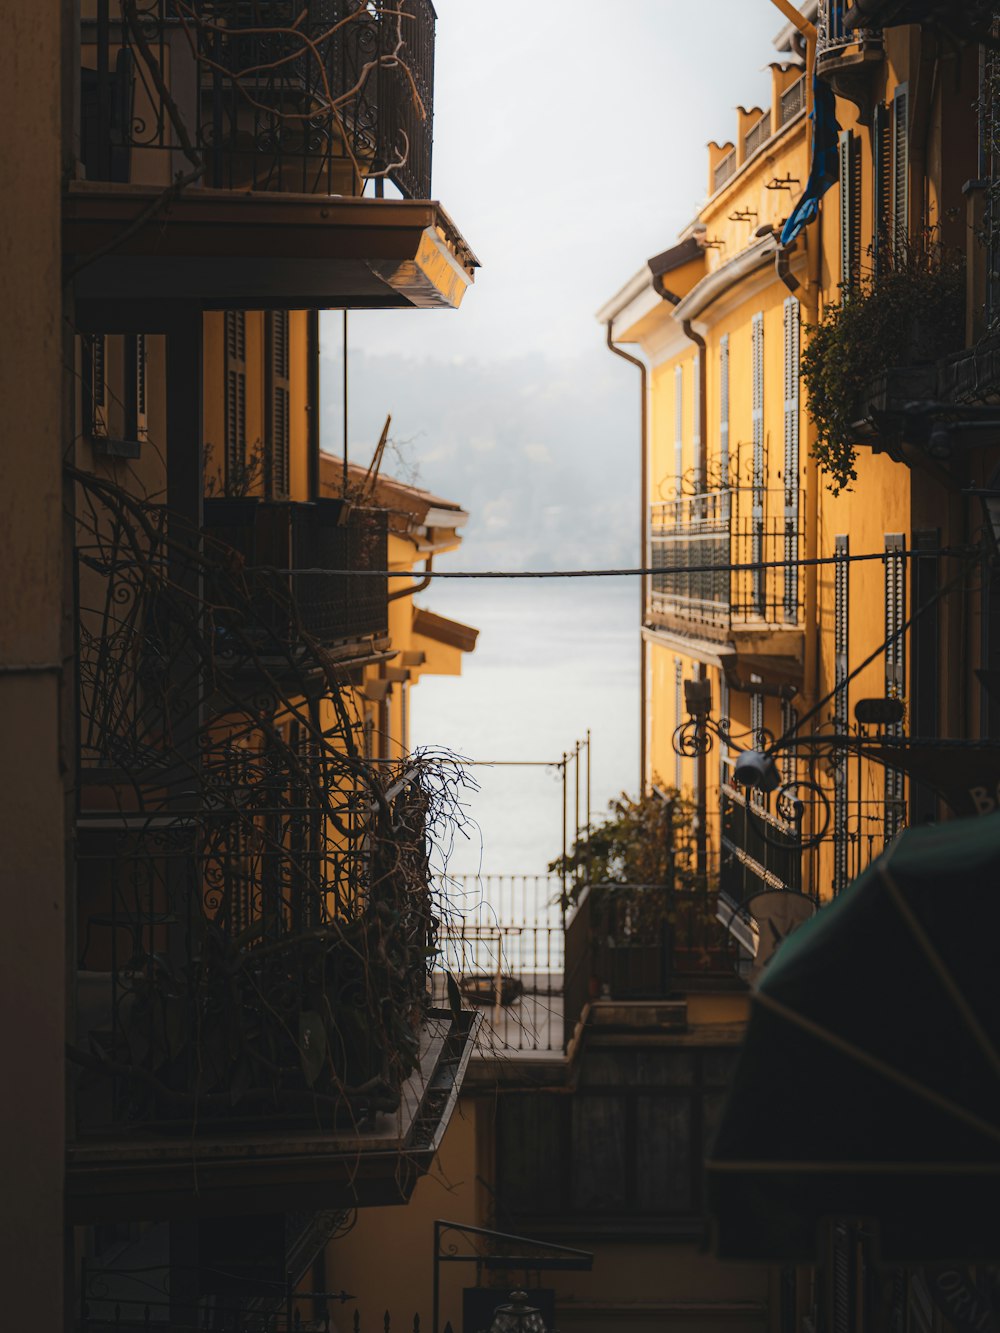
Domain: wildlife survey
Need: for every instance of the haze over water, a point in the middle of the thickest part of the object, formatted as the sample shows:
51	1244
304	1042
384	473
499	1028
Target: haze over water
553	659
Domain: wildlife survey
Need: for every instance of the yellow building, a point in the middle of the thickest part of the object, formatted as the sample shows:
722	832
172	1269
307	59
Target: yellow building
821	453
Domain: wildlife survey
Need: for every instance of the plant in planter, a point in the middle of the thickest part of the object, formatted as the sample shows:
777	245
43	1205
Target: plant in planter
650	905
912	314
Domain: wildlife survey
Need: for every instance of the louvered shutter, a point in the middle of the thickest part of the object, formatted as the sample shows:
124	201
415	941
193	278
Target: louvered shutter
791	470
135	387
757	479
900	169
276	444
849	147
882	195
724	411
841	617
679	717
236	401
841	1284
757	719
678	432
895	668
93	376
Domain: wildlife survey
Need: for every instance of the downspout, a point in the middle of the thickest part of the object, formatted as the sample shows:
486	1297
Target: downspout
415	587
643	545
809	301
701	762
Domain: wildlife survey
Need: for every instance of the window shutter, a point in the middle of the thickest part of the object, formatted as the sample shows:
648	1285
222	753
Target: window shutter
882	221
756	718
236	401
678	430
791	471
276	444
135	387
895	668
757	480
850	211
679	717
93	372
900	169
841	615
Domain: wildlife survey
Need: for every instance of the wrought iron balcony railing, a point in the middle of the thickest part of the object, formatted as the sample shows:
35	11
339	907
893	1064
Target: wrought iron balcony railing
756	136
312	96
321	543
697	539
793	99
832	34
724	168
255	914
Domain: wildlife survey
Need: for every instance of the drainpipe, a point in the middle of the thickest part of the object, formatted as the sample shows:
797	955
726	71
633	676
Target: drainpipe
643	545
414	587
701	763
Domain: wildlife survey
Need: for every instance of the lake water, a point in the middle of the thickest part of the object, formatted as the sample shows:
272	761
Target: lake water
553	659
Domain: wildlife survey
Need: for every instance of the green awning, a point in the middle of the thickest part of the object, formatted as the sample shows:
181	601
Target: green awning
869	1080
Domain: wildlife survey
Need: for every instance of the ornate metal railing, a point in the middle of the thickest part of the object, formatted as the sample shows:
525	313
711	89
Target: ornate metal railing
255	914
832	35
697	539
757	135
314	96
308	552
724	168
793	99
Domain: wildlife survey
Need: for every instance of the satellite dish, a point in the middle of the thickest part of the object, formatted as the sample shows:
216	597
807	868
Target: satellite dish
777	913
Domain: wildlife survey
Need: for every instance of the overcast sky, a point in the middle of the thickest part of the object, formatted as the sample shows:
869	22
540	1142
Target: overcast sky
569	146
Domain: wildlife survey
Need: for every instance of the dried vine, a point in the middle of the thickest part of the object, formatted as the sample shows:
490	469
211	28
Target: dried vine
257	914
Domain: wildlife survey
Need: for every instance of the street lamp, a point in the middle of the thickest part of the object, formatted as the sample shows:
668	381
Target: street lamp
518	1316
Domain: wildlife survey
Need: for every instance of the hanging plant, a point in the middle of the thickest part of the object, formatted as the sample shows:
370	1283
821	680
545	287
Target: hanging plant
912	314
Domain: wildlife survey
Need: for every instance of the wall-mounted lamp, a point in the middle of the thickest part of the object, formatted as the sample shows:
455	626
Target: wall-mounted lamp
518	1316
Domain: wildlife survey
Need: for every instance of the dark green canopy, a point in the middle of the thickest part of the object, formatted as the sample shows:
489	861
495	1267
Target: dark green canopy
869	1080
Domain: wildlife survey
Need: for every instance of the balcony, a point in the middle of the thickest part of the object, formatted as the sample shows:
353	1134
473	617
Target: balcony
723	170
254	912
285	551
311	99
847	56
792	101
756	136
695	591
225	149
